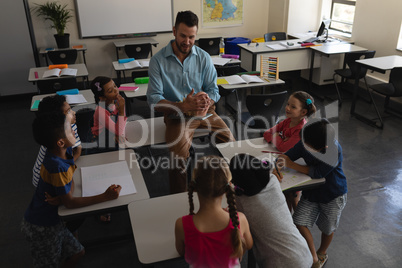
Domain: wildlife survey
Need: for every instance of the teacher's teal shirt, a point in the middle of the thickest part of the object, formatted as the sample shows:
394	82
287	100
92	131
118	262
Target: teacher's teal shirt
171	80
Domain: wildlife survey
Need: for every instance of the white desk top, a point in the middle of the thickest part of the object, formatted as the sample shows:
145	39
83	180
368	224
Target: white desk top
253	147
137	41
149	132
262	47
337	49
44	51
104	158
272	82
141	91
87	93
153	222
81	72
383	63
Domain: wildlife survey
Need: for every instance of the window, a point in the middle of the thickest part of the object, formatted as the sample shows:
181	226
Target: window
342	15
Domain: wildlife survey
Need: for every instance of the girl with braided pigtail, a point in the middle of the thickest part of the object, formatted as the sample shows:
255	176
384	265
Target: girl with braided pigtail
212	237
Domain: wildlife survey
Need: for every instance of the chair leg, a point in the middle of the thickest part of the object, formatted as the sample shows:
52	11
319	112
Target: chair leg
337	91
375	106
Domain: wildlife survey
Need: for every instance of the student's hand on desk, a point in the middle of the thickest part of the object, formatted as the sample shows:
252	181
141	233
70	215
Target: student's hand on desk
54	201
283	161
113	192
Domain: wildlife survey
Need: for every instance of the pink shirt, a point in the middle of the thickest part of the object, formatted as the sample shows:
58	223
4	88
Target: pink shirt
292	133
208	249
102	120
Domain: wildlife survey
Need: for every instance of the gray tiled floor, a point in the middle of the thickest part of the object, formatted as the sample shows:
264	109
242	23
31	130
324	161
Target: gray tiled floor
370	233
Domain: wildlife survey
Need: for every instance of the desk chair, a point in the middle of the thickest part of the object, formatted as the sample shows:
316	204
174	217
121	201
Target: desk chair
53	85
391	89
210	45
84	122
264	110
274	36
67	56
355	70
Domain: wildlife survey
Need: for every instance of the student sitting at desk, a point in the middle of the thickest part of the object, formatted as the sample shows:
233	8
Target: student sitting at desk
176	72
110	113
323	205
277	242
51	243
286	134
212	237
54	104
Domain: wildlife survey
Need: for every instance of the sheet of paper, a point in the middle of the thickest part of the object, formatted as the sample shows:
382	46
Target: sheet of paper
291	177
276	46
220	61
221	81
252	78
96	179
75	99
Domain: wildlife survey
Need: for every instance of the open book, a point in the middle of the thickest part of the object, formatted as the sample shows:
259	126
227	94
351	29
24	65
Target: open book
239	79
56	72
136	64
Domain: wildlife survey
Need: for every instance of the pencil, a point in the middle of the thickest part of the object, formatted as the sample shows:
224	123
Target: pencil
271	152
276	167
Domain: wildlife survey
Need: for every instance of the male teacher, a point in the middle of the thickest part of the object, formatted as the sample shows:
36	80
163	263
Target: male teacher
182	78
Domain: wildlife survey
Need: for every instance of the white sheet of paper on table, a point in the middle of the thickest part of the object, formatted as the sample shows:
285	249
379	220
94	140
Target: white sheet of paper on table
75	99
96	179
291	177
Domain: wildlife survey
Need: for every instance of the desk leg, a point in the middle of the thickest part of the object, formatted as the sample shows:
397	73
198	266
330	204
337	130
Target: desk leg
83	55
117	53
310	78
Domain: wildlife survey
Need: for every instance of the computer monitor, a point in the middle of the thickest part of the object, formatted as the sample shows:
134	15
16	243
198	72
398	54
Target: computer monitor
321	29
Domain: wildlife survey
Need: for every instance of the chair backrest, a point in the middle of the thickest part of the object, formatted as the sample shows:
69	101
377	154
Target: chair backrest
210	45
84	122
274	36
65	56
395	78
227	70
357	70
53	85
140	51
265	108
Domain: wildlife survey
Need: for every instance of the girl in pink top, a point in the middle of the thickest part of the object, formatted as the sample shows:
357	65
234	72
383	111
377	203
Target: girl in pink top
212	237
286	134
110	112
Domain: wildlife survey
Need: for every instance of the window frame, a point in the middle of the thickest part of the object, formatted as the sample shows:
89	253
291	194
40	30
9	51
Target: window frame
343	2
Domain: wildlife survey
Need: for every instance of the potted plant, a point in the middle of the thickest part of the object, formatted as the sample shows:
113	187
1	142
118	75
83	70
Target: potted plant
59	16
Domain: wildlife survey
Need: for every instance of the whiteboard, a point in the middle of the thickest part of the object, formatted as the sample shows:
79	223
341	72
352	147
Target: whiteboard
119	17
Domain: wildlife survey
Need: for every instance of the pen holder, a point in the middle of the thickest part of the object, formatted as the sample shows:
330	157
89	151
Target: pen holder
126	60
231	56
73	91
60	66
141	80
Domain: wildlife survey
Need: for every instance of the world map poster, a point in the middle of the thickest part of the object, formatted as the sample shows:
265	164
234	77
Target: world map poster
222	13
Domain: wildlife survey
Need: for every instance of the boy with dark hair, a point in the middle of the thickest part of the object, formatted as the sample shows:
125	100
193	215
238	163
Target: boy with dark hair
53	104
323	205
50	241
277	242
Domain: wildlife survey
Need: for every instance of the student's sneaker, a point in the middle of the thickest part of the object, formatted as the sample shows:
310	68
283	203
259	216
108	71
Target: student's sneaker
322	259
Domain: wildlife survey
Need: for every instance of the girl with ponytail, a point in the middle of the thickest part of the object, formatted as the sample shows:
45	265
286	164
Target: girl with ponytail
212	237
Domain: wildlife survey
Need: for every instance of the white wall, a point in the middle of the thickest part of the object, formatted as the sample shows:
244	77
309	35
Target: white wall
101	53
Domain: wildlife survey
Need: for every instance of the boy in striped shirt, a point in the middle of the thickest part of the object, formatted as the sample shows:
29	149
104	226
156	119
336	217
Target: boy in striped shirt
52	104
